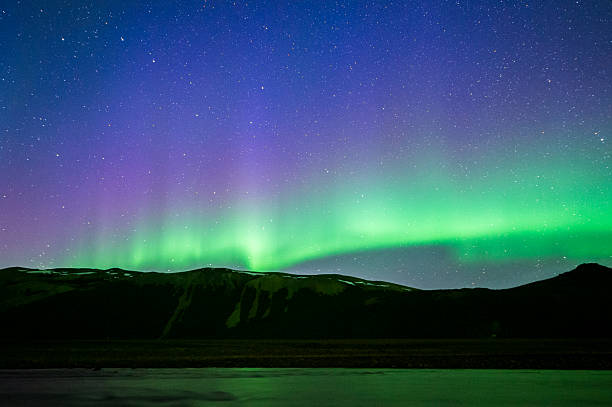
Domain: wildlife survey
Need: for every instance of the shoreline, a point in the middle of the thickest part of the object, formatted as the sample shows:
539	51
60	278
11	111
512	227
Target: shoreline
557	354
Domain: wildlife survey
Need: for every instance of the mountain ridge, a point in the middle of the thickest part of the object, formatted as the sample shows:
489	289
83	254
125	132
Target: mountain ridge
225	303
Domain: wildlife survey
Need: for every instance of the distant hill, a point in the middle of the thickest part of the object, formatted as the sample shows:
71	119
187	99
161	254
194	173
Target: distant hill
224	303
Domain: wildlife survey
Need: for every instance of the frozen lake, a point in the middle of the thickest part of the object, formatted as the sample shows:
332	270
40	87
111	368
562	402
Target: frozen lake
303	387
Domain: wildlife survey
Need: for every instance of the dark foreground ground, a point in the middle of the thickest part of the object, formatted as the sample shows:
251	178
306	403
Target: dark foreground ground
304	387
433	354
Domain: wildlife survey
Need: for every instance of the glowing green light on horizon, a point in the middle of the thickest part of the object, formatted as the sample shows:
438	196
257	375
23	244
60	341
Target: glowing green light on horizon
505	210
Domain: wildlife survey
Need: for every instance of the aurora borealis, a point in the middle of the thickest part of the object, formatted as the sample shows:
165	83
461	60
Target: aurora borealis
447	144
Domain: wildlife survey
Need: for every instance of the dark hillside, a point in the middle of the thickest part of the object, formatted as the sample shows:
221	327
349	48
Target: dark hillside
222	303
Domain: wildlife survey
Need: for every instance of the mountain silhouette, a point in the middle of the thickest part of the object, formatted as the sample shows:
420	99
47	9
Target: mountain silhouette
223	303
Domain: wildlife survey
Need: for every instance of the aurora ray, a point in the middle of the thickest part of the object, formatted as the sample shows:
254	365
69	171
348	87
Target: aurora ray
159	137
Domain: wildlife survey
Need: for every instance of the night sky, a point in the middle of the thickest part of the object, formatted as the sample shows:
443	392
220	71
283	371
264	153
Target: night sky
434	144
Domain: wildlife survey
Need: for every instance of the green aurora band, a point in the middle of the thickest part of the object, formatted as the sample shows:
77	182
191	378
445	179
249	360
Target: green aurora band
506	205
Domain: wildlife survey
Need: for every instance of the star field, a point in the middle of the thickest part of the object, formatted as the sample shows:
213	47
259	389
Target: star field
452	144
